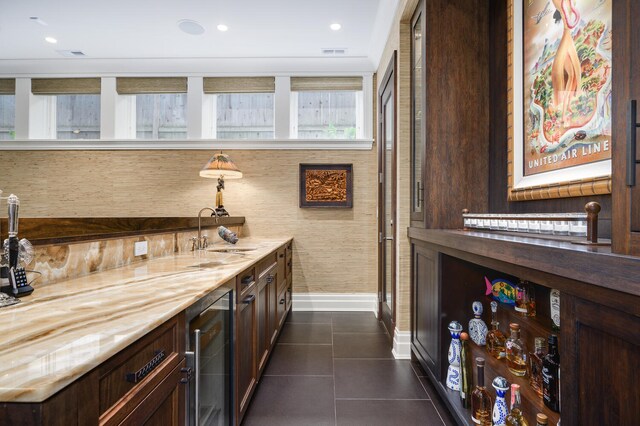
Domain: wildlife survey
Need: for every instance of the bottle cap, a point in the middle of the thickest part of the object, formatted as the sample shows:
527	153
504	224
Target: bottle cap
480	362
515	326
464	336
553	340
515	388
494	306
542	418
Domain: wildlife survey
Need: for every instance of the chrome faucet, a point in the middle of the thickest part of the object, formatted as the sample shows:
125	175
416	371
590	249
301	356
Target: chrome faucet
201	242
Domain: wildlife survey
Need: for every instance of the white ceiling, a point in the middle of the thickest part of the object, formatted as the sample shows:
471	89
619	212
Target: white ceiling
127	29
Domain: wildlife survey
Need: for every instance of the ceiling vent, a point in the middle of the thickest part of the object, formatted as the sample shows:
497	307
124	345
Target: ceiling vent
71	53
334	51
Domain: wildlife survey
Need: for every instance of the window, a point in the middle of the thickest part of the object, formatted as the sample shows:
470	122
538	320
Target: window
7	116
327	115
159	105
244	116
240	107
70	107
7	108
78	117
161	116
327	107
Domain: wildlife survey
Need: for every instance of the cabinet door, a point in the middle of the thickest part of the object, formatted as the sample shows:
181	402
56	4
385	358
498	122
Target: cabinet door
600	359
246	357
264	337
418	80
425	319
625	89
164	406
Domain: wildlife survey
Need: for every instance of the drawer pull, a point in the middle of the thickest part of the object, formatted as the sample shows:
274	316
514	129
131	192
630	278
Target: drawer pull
247	280
281	255
148	368
289	264
282	301
249	299
270	279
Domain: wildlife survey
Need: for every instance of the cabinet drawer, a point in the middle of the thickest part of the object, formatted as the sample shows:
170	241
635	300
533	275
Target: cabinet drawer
245	282
130	375
265	264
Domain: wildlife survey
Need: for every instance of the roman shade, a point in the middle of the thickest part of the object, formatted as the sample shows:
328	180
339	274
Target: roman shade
7	86
239	84
65	86
150	85
314	84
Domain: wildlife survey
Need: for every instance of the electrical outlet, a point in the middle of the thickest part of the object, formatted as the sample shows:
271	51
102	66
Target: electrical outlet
140	248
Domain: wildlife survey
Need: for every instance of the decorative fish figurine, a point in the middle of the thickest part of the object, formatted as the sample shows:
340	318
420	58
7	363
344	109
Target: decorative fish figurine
501	290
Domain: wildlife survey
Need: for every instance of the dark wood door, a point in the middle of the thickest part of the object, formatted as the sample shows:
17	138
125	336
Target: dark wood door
266	326
387	189
600	359
425	299
246	353
626	88
272	296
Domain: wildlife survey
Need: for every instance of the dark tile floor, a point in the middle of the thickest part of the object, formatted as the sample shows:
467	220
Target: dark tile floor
336	368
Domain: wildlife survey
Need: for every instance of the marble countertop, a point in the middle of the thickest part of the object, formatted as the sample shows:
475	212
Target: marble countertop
64	330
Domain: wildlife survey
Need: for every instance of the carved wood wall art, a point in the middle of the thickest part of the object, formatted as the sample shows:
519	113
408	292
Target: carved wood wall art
326	185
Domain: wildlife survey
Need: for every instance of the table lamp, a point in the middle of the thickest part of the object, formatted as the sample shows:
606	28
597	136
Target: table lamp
220	166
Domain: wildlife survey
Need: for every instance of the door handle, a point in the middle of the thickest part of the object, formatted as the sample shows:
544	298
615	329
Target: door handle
631	144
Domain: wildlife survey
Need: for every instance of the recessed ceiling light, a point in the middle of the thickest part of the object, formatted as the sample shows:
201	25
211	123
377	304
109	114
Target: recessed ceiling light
50	40
335	26
222	27
190	27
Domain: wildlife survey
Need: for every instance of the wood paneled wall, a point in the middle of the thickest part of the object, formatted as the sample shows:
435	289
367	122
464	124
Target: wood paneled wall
334	249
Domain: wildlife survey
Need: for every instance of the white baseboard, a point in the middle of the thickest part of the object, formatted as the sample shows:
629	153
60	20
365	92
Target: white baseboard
367	302
401	344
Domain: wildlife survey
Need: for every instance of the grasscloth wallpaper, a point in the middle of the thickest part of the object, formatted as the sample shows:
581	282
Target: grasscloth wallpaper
334	249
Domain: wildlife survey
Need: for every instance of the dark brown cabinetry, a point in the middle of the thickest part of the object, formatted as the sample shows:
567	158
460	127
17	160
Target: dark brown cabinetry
266	314
449	111
109	394
246	351
599	317
624	133
425	297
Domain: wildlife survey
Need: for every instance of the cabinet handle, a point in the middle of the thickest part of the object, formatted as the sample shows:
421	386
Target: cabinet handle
281	255
249	299
631	144
148	368
282	301
270	279
289	264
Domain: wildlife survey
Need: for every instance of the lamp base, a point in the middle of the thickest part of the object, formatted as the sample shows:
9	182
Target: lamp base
221	211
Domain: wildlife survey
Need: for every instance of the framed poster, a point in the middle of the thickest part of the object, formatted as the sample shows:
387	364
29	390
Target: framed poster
326	185
560	133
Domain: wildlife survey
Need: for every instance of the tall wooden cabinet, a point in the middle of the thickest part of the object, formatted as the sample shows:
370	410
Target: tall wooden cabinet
626	88
449	111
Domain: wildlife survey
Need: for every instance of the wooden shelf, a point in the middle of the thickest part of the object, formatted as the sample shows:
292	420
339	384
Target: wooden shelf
531	402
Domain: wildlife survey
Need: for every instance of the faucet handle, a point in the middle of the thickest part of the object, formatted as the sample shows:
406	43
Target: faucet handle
194	242
205	241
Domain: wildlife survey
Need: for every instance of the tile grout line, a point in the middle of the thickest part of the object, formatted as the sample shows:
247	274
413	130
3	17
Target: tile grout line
333	365
429	395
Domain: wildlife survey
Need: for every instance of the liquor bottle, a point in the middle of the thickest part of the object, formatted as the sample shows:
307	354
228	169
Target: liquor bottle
551	376
525	299
480	399
554	303
495	338
535	365
515	417
516	352
500	410
477	328
542	420
466	374
453	372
